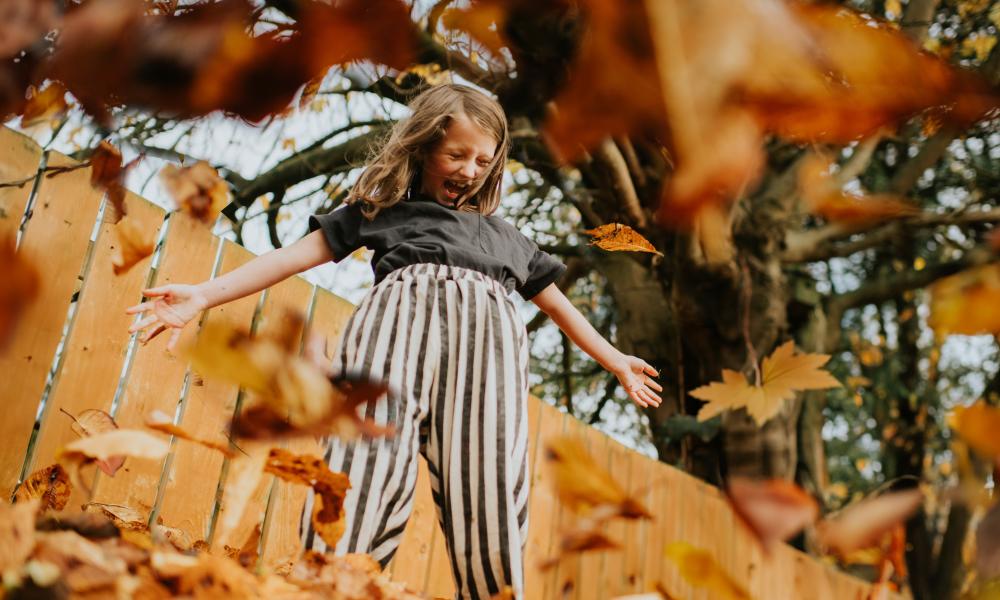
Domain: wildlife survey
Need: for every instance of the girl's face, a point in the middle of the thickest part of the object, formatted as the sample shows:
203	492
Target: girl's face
462	155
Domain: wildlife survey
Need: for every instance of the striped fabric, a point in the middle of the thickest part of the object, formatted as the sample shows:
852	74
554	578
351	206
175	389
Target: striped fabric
453	350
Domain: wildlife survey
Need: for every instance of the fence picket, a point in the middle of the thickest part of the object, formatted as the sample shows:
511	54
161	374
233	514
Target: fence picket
194	471
21	158
56	241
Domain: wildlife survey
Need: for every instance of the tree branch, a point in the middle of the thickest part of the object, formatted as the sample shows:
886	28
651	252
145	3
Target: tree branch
819	244
885	289
612	158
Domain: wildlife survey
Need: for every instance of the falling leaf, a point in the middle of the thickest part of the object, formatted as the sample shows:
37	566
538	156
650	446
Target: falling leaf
865	522
107	446
579	540
330	488
699	568
616	237
44	104
293	395
49	485
585	487
207	57
774	510
132	246
124	517
198	190
92	422
24	21
965	303
159	421
17	533
21	286
108	173
782	374
978	426
824	198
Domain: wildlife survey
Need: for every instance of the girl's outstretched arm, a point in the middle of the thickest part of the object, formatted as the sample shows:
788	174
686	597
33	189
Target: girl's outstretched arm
175	305
635	374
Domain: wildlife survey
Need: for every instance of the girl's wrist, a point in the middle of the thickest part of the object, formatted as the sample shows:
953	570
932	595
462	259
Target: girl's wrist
618	363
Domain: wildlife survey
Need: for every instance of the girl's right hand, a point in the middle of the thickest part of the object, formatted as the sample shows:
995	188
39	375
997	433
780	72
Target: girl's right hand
172	306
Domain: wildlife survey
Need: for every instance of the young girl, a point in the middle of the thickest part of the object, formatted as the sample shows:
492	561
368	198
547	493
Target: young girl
440	328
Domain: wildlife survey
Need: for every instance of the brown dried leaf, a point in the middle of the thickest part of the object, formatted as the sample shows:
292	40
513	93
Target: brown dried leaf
330	488
773	510
577	541
21	285
198	190
206	58
864	523
84	565
160	421
17	533
49	485
91	422
108	173
124	517
585	487
616	237
23	22
45	104
965	303
205	576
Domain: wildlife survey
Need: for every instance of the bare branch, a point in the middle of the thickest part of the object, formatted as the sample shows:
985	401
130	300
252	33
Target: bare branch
611	156
819	244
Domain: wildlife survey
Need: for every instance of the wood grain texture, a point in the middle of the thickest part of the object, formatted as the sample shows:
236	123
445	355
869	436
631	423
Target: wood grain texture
21	158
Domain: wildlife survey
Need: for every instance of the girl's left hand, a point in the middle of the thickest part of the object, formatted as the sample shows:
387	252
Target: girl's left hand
636	376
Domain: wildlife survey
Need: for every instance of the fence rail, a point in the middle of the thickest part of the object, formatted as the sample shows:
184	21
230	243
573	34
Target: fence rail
72	352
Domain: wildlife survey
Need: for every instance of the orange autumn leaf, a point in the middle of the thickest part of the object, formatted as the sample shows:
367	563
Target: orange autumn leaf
159	421
864	523
773	510
577	541
21	286
782	374
823	198
701	570
198	190
965	303
585	487
17	531
49	485
978	425
108	173
44	104
330	488
132	245
615	237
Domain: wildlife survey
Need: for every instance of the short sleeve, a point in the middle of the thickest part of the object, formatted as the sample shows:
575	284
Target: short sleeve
543	269
341	228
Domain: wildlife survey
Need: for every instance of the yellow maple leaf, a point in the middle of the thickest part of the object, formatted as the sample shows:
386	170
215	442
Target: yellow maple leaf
615	237
699	568
965	303
782	374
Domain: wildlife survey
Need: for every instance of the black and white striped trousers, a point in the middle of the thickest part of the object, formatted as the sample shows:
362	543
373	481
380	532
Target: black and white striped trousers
453	350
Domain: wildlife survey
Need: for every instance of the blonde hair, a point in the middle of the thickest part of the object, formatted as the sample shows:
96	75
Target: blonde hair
397	165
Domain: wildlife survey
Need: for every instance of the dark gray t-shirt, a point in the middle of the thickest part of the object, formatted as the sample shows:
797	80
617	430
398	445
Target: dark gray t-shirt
420	230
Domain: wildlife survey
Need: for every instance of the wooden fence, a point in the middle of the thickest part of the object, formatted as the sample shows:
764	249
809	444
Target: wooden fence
72	352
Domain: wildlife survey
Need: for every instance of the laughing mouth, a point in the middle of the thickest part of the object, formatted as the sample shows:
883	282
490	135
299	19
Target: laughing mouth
456	188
